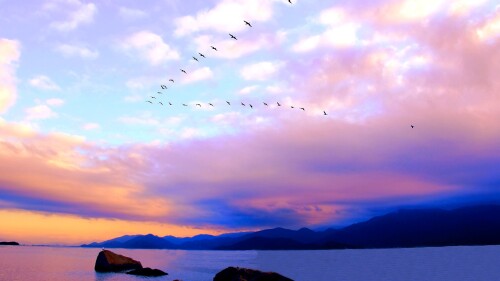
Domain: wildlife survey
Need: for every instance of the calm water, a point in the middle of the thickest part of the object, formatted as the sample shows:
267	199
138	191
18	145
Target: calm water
424	264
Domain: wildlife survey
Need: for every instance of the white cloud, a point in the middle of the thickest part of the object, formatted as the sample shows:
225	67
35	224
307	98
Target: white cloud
80	13
248	90
39	112
91	126
77	51
260	71
150	47
131	14
227	16
9	56
229	48
43	82
199	74
54	102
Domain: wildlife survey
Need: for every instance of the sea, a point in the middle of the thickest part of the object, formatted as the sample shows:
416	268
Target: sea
36	263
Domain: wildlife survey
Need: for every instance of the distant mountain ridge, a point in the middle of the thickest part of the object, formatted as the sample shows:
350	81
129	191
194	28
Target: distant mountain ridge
477	225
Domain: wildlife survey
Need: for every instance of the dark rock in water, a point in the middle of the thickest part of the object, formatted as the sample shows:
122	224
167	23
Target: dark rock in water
9	243
108	261
245	274
147	272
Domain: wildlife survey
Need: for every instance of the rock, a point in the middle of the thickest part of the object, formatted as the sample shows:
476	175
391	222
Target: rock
245	274
108	261
147	272
9	243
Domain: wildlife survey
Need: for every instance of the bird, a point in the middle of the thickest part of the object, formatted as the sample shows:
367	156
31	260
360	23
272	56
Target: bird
201	55
198	104
160	93
292	106
195	59
161	103
183	71
278	103
232	36
164	87
228	103
149	101
412	126
247	23
170	103
303	109
324	113
243	104
210	104
171	80
290	1
213	48
265	104
184	104
153	97
250	106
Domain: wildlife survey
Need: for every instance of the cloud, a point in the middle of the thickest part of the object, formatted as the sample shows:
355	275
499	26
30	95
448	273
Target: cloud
150	47
9	56
248	90
197	75
79	13
54	102
91	126
261	71
132	14
226	16
68	50
43	82
40	112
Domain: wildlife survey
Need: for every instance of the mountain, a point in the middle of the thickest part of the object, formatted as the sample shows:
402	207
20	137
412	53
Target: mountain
477	225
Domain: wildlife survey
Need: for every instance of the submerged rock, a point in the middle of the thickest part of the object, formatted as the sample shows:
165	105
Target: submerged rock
245	274
108	261
147	272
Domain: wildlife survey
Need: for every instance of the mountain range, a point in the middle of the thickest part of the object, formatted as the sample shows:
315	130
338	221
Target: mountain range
475	225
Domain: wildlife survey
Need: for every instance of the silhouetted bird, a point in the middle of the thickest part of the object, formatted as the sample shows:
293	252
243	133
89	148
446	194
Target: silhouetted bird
278	103
149	101
232	36
290	1
250	106
170	103
184	104
183	71
198	104
412	126
164	87
160	93
228	103
243	104
265	104
324	112
210	104
247	23
303	109
201	55
292	106
161	103
171	80
195	59
153	97
213	48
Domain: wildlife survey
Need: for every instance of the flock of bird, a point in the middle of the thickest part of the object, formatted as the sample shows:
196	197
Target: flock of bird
164	87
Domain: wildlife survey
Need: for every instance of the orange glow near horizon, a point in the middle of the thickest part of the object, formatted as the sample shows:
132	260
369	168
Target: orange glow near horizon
28	227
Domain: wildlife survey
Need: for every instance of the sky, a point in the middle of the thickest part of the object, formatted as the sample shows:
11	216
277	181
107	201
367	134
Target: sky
84	157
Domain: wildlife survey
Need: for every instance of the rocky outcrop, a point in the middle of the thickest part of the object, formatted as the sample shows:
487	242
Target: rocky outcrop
147	272
108	261
245	274
9	243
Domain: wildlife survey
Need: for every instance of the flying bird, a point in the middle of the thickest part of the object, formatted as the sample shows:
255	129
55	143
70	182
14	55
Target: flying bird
251	106
324	112
290	1
195	59
164	87
265	103
201	55
161	103
213	48
243	104
210	104
247	23
184	104
292	106
412	126
278	103
153	97
303	109
228	103
170	103
198	104
171	80
232	36
183	71
149	101
160	93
